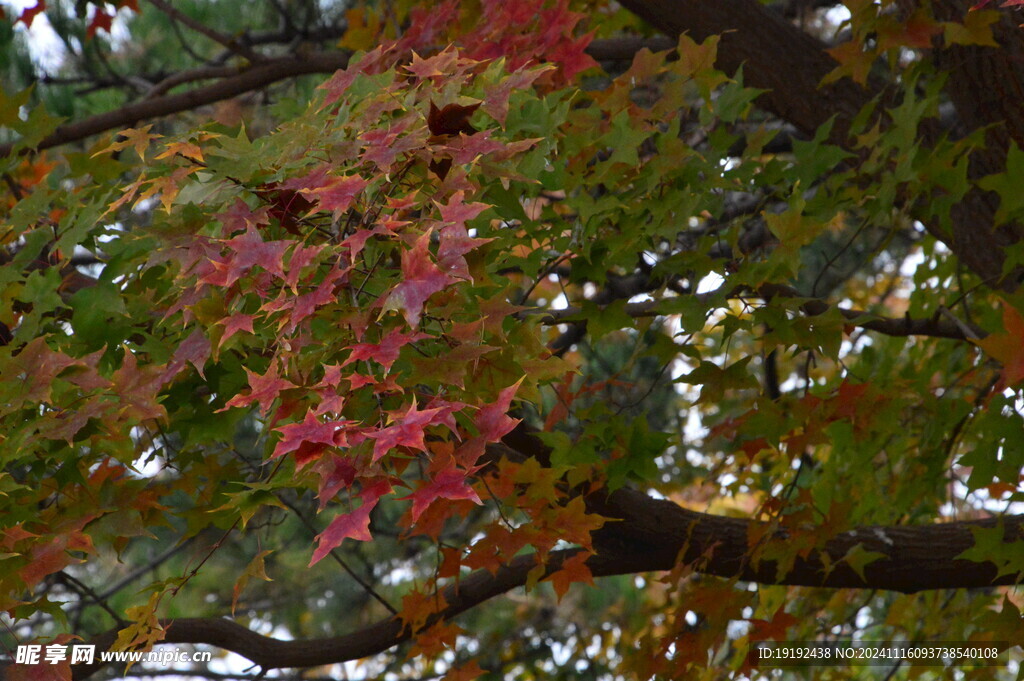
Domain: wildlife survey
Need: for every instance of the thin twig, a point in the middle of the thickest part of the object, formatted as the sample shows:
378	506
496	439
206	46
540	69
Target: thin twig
213	35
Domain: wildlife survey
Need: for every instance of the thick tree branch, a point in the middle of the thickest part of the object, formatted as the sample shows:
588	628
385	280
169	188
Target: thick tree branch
253	78
647	535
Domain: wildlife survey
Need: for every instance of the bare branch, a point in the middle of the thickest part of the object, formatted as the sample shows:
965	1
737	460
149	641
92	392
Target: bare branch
945	326
230	43
608	49
252	78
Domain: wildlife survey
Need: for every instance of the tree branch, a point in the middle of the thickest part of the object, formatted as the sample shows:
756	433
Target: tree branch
255	77
230	43
944	326
790	64
648	535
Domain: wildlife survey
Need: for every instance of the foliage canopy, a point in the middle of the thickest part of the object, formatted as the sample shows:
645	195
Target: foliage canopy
701	321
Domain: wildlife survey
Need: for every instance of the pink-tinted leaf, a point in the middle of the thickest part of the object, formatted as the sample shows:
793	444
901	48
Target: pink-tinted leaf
455	211
426	24
421	279
441	64
248	249
36	366
406	431
386	352
337	193
302	257
571	55
492	420
455	242
468	148
195	349
496	96
240	217
235	323
305	305
138	388
382	147
336	473
354	525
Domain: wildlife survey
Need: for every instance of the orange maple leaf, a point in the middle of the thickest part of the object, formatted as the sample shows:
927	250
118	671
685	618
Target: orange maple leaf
573	570
1008	347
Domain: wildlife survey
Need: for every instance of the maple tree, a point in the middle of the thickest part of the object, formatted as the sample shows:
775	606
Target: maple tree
700	321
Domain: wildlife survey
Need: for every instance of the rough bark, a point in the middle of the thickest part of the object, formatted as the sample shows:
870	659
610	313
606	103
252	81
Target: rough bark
985	84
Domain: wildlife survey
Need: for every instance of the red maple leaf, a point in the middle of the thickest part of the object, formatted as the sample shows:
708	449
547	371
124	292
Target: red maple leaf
426	24
467	672
496	96
337	193
194	349
421	279
302	257
29	14
493	423
447	484
354	525
1008	346
233	324
492	420
306	304
386	352
248	249
40	365
100	19
138	388
775	629
571	55
311	430
383	146
240	217
464	149
286	205
458	212
336	473
455	242
407	431
441	64
263	390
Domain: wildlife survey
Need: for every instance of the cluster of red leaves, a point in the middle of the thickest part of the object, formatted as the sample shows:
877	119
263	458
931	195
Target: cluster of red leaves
281	285
362	240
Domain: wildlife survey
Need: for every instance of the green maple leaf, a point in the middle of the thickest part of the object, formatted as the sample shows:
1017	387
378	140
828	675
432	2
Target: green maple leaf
1007	185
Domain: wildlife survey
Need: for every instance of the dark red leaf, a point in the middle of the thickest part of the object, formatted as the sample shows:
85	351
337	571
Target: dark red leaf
29	14
452	119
